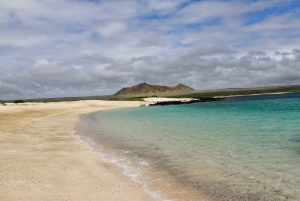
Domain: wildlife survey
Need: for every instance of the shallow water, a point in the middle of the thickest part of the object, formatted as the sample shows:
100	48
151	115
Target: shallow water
244	148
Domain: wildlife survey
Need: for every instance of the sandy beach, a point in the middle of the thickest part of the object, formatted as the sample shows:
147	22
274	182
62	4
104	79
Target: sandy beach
42	159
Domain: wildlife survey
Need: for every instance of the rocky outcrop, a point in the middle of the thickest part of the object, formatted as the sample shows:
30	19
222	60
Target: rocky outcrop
179	102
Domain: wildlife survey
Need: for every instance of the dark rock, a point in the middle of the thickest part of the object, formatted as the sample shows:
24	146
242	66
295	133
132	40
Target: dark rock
179	102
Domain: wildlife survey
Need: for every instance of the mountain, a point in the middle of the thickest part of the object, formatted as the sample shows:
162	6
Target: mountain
144	88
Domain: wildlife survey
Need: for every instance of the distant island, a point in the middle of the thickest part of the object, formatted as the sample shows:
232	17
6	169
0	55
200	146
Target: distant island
144	88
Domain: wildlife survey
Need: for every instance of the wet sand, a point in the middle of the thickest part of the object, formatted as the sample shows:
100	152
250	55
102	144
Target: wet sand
42	159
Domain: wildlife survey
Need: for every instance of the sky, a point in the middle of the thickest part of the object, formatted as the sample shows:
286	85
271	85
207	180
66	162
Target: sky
61	48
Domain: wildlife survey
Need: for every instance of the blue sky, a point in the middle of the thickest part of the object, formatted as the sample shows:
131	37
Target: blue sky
74	48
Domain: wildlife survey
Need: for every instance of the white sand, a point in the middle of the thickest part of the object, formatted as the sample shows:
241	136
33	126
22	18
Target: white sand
41	158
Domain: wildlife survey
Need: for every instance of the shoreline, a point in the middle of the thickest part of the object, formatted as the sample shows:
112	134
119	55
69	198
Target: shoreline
42	159
213	189
139	169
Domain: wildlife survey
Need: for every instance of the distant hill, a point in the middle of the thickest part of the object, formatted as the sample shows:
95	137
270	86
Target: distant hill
144	88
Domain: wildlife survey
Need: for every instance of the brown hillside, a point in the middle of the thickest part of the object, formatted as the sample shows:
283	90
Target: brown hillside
144	88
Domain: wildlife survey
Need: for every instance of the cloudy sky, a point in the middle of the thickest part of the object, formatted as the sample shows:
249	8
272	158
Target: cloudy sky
55	48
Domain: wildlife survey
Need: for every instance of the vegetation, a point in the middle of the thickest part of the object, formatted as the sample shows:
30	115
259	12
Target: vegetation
134	99
113	99
124	98
18	101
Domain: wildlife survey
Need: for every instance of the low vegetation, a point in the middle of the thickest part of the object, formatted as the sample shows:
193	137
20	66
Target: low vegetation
18	101
120	98
113	99
134	99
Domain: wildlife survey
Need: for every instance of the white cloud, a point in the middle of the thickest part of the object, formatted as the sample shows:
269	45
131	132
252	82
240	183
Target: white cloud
51	48
111	29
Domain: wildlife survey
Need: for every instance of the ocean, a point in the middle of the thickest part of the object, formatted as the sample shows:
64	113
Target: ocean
242	148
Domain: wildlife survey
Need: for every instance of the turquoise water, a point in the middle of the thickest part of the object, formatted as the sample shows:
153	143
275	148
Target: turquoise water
245	148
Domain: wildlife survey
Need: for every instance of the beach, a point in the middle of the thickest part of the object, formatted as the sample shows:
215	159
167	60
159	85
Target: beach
241	148
42	159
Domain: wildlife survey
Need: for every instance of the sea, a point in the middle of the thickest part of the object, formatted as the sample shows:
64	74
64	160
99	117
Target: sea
241	148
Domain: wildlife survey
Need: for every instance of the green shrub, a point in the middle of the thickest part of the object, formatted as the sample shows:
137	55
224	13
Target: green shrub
19	101
114	99
134	99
